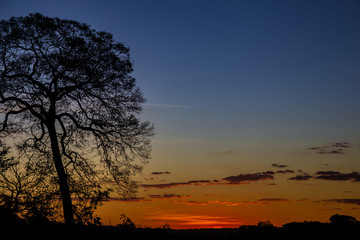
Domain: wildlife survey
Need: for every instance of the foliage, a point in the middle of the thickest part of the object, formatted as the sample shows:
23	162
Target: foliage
33	194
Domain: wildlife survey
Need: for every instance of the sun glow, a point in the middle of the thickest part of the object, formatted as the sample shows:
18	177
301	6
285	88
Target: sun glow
188	221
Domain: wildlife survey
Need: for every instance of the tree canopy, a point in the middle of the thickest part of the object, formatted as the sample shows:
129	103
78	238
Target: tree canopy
68	99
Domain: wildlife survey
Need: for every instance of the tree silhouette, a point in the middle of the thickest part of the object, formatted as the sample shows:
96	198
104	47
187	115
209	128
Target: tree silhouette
342	219
68	98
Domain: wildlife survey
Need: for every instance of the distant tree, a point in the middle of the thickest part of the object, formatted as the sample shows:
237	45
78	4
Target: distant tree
68	99
126	223
265	224
166	226
342	219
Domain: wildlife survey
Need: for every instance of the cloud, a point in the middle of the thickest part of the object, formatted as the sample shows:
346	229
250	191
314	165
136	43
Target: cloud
227	152
341	145
241	178
187	220
337	176
207	203
135	199
278	165
160	173
329	175
337	151
168	196
355	201
234	204
169	185
332	148
285	171
327	209
274	200
149	179
303	177
232	180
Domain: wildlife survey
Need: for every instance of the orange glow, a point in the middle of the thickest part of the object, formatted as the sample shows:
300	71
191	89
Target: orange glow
186	221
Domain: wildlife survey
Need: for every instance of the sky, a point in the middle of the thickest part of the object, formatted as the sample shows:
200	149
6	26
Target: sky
255	103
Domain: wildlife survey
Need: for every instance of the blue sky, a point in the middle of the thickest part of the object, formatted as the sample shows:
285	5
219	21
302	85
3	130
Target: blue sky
233	86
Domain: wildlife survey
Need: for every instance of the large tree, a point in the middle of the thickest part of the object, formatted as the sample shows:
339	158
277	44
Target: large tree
69	100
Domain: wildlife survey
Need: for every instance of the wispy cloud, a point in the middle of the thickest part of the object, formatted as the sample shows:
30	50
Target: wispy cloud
302	177
160	173
337	176
168	196
274	200
207	203
355	201
262	201
175	184
185	220
279	165
332	148
231	180
249	177
135	199
253	177
285	171
329	176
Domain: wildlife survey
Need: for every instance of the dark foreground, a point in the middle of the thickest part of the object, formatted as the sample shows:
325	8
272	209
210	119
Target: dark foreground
293	231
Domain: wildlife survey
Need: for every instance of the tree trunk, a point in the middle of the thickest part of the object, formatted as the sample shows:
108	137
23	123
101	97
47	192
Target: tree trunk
64	186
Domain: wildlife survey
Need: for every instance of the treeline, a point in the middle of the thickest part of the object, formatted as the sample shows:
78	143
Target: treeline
339	227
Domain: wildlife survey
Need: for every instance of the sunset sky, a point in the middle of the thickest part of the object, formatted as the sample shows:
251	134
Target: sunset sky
256	106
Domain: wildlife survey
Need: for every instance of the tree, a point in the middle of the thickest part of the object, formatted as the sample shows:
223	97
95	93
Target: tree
68	98
342	219
126	223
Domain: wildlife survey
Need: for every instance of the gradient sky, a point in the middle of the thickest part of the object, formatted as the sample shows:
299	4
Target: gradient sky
256	106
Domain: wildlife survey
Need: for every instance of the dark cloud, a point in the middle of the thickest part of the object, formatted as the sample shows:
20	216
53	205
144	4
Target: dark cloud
327	209
206	203
303	177
169	185
168	196
355	201
337	176
279	165
135	199
239	179
285	171
336	151
249	177
329	175
341	145
332	148
274	200
160	173
199	182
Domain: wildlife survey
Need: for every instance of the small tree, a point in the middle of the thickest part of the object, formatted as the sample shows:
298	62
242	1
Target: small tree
126	223
68	98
